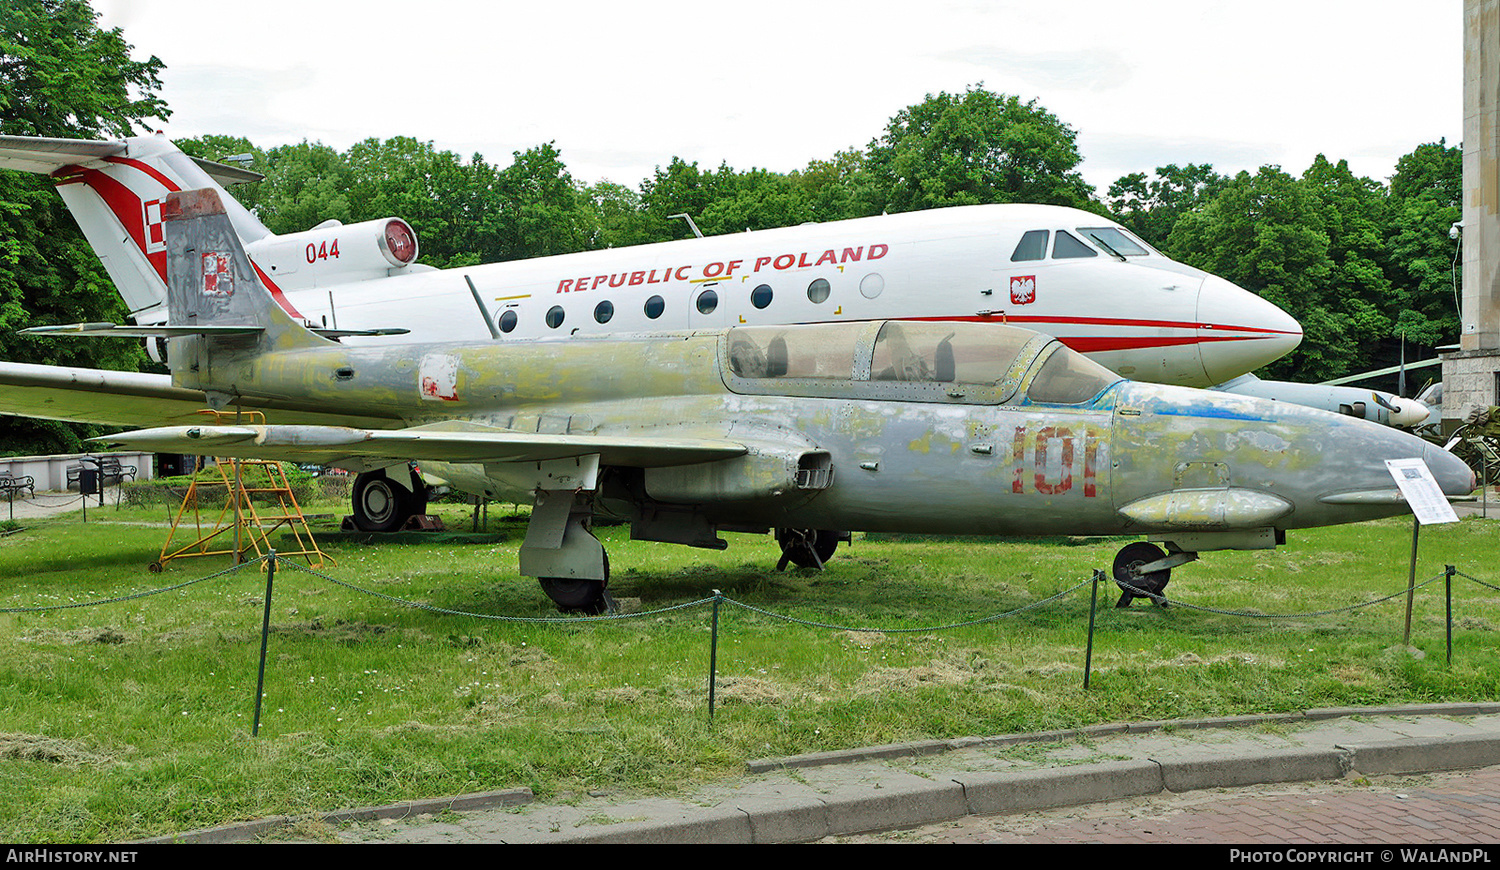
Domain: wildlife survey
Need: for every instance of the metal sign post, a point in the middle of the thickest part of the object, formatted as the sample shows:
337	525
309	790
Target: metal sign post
1428	504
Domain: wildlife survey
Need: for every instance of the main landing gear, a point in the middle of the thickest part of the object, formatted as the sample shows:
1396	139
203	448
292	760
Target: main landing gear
574	595
383	504
807	548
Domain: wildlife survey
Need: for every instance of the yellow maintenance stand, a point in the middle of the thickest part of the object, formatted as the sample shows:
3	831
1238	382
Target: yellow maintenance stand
243	480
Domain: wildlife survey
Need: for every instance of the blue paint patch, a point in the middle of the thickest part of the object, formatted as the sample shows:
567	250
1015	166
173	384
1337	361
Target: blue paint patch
1218	413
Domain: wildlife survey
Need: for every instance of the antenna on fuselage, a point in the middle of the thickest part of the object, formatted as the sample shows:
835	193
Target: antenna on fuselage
689	218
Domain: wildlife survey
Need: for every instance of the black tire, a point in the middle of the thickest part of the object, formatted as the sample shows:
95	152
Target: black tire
379	504
1127	569
587	597
795	545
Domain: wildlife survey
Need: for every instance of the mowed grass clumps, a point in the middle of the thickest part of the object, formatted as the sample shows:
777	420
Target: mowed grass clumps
133	718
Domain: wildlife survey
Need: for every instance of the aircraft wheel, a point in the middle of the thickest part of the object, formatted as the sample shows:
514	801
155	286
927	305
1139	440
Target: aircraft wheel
806	548
588	597
379	504
1127	570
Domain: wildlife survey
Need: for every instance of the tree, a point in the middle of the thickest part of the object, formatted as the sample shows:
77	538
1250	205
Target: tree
1151	207
683	188
543	210
976	147
60	76
1425	201
1265	233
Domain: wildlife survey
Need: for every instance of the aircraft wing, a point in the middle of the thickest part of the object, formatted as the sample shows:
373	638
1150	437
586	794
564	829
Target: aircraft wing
332	445
131	399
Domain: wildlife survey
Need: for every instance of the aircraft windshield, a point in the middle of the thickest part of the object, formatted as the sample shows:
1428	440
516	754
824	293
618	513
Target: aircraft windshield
1069	378
1113	240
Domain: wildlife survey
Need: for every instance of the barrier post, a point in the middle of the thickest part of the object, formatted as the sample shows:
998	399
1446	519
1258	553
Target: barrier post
1448	571
713	654
265	632
1411	580
1088	656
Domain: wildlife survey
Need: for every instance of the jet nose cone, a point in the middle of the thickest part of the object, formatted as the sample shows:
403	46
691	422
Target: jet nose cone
1239	332
1453	475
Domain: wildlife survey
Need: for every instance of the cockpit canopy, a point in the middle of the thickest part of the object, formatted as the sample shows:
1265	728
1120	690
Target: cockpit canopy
979	363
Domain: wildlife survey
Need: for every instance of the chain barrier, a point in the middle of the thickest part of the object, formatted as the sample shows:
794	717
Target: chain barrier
1457	573
271	562
981	621
135	595
553	620
1164	601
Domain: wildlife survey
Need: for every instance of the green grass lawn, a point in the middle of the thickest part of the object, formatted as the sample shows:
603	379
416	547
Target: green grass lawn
133	718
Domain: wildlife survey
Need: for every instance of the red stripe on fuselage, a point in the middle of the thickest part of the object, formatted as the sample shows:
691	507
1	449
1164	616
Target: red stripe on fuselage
276	292
1105	321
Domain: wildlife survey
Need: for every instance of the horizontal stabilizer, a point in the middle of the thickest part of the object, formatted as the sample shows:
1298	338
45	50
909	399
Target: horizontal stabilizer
46	156
116	330
331	444
362	333
226	174
136	399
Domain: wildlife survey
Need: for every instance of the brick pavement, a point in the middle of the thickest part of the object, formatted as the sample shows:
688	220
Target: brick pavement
1445	808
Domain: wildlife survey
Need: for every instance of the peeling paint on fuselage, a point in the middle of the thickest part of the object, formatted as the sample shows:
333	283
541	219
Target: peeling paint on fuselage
949	467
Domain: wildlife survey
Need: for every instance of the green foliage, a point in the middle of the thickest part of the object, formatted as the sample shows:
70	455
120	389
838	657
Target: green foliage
976	147
1357	264
60	76
1152	207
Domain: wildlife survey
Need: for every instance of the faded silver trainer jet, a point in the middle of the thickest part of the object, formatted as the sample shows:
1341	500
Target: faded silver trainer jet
963	428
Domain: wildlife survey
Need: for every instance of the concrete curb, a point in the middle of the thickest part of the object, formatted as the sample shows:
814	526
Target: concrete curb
840	793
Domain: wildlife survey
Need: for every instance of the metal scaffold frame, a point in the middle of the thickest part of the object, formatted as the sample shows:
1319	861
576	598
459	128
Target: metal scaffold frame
252	525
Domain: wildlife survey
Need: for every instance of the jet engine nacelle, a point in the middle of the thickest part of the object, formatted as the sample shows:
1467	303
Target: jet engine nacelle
336	253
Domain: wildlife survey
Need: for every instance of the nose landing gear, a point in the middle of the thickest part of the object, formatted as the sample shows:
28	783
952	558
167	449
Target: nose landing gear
1147	568
807	548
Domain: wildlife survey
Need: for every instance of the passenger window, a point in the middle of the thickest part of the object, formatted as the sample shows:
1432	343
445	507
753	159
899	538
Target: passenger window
604	311
817	291
708	300
760	297
508	321
555	316
655	306
1033	246
1066	247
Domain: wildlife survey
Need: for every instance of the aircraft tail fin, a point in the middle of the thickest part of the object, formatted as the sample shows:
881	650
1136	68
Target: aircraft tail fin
215	297
115	190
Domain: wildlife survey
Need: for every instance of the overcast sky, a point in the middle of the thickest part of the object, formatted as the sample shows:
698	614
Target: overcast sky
622	87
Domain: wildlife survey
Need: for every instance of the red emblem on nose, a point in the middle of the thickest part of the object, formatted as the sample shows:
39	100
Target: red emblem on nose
1022	289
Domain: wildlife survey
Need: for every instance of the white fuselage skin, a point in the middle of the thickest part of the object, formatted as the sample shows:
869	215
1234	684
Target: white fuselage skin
1137	312
1145	316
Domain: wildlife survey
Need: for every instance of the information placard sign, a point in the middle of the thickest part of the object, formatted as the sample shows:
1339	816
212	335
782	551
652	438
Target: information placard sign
1421	491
